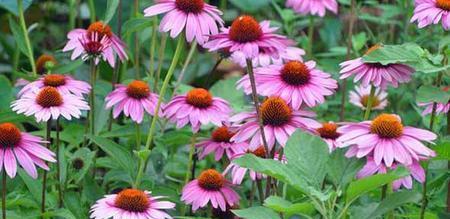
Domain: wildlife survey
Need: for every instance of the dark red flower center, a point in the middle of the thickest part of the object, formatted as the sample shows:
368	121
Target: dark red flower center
259	152
387	126
365	100
49	97
100	28
328	130
222	134
190	6
443	4
9	135
93	47
54	80
42	60
138	89
211	180
295	73
275	112
199	98
132	200
245	29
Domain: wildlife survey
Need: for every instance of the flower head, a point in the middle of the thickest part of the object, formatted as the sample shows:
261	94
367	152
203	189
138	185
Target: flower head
42	63
296	82
213	188
238	173
387	140
328	132
196	17
441	108
197	107
63	83
360	97
23	148
133	99
428	12
289	54
313	7
131	203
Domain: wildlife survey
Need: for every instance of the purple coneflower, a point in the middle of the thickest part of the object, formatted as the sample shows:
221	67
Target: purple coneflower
313	7
328	132
220	144
289	54
238	173
428	12
360	97
441	108
63	83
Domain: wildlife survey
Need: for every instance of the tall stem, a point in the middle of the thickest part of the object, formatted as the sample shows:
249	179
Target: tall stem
115	76
4	194
58	165
136	43
369	102
161	51
151	72
91	6
310	36
92	97
187	177
185	65
138	137
44	180
72	14
26	37
260	191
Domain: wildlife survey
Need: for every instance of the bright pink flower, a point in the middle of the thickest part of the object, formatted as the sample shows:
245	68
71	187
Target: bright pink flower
296	82
360	97
197	107
131	203
63	83
280	122
371	168
313	7
328	132
196	17
133	100
21	147
441	108
48	102
374	73
210	186
428	12
98	41
289	54
252	39
387	140
220	144
238	173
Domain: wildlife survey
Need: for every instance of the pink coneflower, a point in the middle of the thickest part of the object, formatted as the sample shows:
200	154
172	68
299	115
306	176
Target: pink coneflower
97	42
251	38
197	107
133	100
198	18
441	108
63	83
375	73
313	7
280	122
238	173
210	186
371	168
296	82
220	144
131	203
360	97
289	54
21	147
43	61
387	140
48	102
328	132
428	12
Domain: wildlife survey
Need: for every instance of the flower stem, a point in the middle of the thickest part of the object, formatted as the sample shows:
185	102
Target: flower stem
187	177
260	191
185	65
151	72
116	70
138	137
44	180
91	6
4	194
58	165
92	97
310	37
27	39
161	51
136	43
72	14
214	68
369	102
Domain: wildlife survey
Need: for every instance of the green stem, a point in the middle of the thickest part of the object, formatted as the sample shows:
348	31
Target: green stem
92	97
161	51
138	137
44	179
91	6
185	65
310	36
260	191
72	14
153	47
369	102
58	165
27	39
448	166
4	195
187	177
136	43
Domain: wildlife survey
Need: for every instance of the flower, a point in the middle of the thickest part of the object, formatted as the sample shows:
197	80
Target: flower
63	83
42	63
251	38
238	173
360	97
440	108
197	107
387	140
198	18
371	168
375	73
428	12
296	82
98	41
131	203
48	102
133	100
313	7
289	54
220	144
210	186
328	132
280	122
24	148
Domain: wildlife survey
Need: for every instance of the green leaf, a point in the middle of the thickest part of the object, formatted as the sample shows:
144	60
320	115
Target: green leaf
226	89
87	157
281	205
11	5
428	93
117	152
341	170
135	24
442	150
394	201
33	185
6	95
18	36
68	67
389	54
250	5
256	213
111	8
359	40
359	187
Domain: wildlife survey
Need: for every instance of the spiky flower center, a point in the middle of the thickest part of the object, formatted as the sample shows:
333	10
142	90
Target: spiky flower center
387	126
443	4
99	28
211	180
295	73
190	6
42	60
49	97
132	200
138	89
9	135
93	47
199	98
259	152
245	29
222	134
365	100
328	130
275	112
54	80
